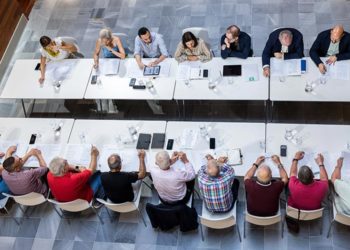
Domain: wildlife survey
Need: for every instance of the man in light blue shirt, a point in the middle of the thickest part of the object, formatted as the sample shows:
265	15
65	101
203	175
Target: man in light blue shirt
149	45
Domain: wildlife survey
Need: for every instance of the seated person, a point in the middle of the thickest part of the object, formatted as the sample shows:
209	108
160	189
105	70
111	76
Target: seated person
149	45
23	181
117	184
192	48
263	194
3	187
306	192
68	182
342	189
235	43
110	45
284	43
334	44
217	184
173	183
54	50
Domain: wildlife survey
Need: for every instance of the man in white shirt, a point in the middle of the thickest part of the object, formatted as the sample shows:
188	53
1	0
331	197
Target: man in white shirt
342	189
174	181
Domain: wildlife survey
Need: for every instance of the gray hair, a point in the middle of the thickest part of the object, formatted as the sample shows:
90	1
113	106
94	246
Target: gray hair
163	160
114	161
106	33
57	165
285	32
262	179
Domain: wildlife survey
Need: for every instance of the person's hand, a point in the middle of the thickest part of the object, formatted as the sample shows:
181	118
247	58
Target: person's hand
141	154
227	42
152	64
299	155
260	160
340	162
141	66
183	157
319	159
266	71
41	80
331	60
94	151
96	65
322	68
81	169
278	55
12	149
209	157
2	154
222	159
192	58
34	152
276	159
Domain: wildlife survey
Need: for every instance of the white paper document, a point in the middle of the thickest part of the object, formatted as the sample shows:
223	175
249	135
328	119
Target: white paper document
48	151
21	148
281	67
338	71
250	72
109	66
188	138
78	154
184	69
59	71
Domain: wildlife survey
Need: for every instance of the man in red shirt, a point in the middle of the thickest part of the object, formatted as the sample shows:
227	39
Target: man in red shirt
305	192
68	183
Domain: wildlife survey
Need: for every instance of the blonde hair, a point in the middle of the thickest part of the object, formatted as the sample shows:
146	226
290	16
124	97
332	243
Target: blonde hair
106	33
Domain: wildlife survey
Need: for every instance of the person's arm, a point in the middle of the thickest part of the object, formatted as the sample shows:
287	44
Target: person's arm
121	53
41	160
345	55
245	47
251	172
97	53
294	168
42	69
320	162
336	175
267	52
138	53
180	54
189	173
157	61
205	54
70	47
282	171
314	51
10	151
142	167
225	51
31	153
163	50
299	53
93	162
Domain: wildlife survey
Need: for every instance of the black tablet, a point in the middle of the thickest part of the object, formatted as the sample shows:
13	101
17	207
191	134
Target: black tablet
144	141
151	71
232	70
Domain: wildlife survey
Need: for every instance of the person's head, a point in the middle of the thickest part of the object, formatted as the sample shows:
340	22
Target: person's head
305	175
286	37
58	166
337	33
114	162
163	160
232	32
264	174
213	168
13	164
189	40
145	35
45	41
105	36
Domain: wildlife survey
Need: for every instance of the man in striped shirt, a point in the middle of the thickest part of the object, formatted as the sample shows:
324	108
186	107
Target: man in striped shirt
218	185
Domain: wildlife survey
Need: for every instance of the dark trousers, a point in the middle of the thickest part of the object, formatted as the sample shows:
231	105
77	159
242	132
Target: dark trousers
189	191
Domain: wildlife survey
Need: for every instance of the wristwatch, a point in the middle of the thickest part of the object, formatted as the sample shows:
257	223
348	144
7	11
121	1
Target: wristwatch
255	165
280	165
295	160
321	165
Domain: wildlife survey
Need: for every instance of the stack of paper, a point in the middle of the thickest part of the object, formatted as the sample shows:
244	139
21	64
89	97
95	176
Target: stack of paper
59	71
109	66
339	71
281	67
188	138
48	151
78	154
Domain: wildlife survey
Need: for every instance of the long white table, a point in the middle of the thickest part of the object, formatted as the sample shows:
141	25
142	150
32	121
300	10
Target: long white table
249	137
23	81
330	140
115	136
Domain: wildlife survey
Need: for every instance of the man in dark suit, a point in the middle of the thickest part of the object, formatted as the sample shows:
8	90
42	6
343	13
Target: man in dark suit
235	43
334	44
284	43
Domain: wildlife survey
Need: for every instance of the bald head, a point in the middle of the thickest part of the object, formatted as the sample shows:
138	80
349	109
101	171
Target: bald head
337	33
264	174
213	168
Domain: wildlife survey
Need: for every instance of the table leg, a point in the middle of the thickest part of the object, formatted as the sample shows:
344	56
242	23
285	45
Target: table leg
183	109
178	108
24	108
101	106
271	111
32	107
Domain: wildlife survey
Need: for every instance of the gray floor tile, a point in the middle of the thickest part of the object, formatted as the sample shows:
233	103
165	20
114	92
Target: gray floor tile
83	245
28	227
6	243
40	244
23	243
63	245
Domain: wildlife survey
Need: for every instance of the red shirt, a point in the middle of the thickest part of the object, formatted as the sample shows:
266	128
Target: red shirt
306	197
71	186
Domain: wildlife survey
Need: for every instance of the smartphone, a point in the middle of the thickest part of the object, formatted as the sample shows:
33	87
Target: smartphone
32	139
212	143
37	67
94	79
170	144
139	87
303	66
132	82
205	73
283	150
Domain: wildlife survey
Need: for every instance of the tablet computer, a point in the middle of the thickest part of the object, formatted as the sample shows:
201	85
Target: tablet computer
232	70
151	71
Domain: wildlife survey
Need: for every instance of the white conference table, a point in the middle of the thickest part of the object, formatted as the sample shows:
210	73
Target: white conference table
330	140
249	137
23	80
117	86
293	87
114	136
18	131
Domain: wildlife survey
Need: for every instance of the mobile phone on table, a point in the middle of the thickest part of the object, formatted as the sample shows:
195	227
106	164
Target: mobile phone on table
132	82
94	79
37	67
170	144
212	143
205	73
32	139
283	150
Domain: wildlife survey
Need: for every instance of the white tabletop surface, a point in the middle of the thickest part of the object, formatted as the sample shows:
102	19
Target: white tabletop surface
330	140
293	87
117	86
240	89
115	133
246	136
23	81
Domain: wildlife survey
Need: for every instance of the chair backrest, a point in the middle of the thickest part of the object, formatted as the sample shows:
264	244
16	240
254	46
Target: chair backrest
218	220
263	221
340	217
304	214
72	40
72	206
124	38
3	202
198	32
31	199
